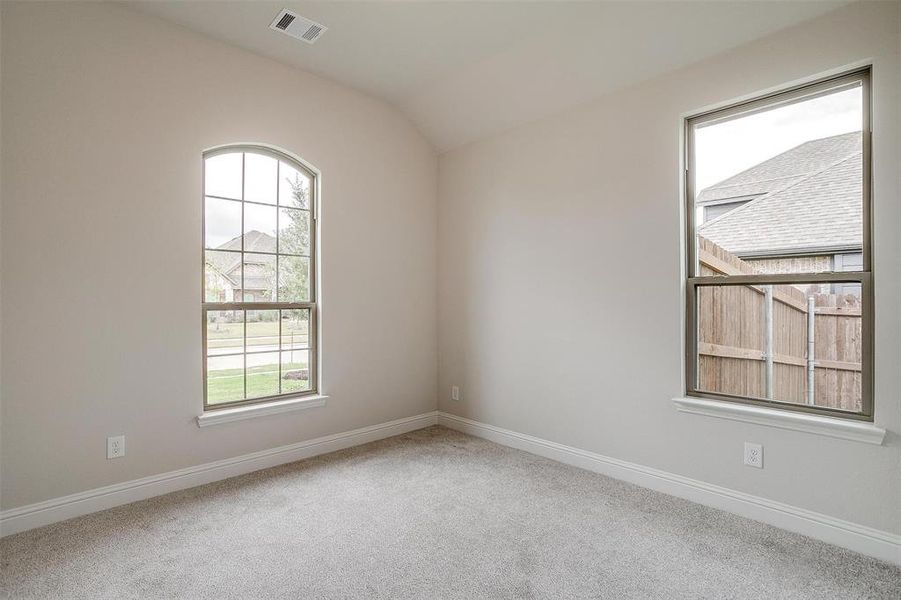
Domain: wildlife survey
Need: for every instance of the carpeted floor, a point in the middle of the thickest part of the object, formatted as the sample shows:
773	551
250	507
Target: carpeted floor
430	514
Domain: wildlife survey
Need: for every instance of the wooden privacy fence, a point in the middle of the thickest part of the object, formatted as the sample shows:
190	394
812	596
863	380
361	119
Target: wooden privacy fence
776	341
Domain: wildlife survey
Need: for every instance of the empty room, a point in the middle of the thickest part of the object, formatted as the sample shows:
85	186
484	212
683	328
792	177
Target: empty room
422	299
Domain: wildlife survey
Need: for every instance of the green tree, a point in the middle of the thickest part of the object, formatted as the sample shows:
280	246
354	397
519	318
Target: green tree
294	271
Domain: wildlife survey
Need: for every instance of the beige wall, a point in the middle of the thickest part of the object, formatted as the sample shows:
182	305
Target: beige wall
543	318
560	289
105	115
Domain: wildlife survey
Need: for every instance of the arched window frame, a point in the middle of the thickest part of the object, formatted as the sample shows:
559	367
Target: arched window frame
313	302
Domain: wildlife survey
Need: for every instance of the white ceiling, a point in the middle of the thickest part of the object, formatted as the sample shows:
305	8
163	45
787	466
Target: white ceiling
461	70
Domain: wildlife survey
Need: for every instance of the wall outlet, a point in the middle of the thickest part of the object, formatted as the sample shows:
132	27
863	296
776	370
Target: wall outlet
115	446
455	393
754	455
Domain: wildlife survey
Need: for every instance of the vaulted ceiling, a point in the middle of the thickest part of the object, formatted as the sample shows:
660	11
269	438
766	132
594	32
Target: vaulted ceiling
464	70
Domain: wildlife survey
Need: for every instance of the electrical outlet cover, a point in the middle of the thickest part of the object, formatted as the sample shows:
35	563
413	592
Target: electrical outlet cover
115	446
754	455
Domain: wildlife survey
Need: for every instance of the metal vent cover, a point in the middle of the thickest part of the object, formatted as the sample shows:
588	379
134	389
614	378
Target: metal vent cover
291	23
284	21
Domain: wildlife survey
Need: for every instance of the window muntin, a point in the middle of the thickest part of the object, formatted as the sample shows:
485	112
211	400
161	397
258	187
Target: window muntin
775	314
259	286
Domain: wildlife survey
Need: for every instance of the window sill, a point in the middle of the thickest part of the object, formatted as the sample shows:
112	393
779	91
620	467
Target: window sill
829	426
252	411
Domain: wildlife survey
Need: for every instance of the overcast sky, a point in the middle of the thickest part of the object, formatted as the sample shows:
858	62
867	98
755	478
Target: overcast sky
724	149
222	218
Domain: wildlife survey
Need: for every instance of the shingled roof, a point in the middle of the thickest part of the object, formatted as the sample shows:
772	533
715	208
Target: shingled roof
228	263
805	200
254	241
784	169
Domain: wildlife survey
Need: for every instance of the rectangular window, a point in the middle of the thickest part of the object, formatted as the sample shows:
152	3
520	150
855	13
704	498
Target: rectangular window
259	286
779	277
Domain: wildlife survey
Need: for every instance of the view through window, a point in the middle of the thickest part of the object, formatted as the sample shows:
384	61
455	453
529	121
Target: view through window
779	295
259	309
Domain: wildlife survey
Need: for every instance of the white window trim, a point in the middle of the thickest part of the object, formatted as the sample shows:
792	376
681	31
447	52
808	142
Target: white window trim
688	214
845	429
278	404
253	411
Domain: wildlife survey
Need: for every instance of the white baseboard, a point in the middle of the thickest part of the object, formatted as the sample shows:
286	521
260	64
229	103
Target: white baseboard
59	509
859	538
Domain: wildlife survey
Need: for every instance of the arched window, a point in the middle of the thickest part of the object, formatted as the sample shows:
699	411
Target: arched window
259	285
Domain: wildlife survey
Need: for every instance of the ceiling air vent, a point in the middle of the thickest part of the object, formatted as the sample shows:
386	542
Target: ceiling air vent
296	26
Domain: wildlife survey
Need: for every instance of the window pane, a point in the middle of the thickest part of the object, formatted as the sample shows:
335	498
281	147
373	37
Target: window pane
222	175
735	341
222	224
781	189
224	379
258	241
260	178
293	279
295	329
262	330
259	277
222	276
259	228
224	332
296	371
262	374
293	187
294	231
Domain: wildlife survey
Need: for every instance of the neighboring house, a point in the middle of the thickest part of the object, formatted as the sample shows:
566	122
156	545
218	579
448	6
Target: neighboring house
224	276
798	211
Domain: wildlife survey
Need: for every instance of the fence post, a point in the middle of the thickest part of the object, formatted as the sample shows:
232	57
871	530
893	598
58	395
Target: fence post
769	352
811	366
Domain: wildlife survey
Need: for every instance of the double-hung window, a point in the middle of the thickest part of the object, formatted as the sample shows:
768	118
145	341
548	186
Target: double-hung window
779	275
259	277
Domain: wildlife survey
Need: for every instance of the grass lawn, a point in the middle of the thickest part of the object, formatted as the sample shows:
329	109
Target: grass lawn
262	333
226	385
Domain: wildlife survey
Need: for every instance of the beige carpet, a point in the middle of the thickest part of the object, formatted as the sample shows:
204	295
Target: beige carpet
430	514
